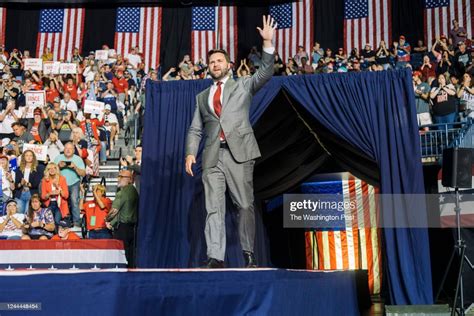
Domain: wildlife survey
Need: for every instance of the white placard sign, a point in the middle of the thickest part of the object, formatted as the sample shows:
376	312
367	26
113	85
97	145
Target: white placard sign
51	67
68	68
34	99
102	54
35	64
94	107
41	151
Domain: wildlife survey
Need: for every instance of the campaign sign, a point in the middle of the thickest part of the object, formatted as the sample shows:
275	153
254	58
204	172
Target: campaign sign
68	68
102	54
34	99
51	67
94	107
41	151
35	64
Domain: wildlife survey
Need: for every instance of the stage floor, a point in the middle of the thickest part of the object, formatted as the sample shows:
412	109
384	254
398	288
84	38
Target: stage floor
179	292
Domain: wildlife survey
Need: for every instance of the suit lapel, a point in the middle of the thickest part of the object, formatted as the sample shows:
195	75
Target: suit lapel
229	87
205	102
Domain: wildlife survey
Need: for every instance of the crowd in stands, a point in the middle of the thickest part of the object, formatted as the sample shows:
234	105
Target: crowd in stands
50	151
442	78
43	193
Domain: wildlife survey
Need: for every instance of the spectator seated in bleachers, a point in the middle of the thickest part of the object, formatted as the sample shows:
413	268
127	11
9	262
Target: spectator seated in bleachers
39	221
64	231
11	224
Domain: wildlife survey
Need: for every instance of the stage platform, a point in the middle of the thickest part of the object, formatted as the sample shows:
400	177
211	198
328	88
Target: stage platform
180	292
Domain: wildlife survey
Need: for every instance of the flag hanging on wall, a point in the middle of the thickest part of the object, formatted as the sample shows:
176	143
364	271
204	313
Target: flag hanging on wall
3	21
139	26
439	14
61	30
356	247
367	22
207	24
295	27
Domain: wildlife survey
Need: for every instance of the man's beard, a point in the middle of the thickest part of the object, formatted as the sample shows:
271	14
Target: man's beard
224	73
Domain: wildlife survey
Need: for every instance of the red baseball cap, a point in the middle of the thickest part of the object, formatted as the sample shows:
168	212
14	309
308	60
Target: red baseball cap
417	74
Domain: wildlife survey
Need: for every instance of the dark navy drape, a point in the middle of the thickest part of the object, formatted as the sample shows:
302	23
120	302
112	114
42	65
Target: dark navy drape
375	112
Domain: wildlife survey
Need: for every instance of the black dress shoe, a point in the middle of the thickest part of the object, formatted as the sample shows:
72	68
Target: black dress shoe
250	261
213	264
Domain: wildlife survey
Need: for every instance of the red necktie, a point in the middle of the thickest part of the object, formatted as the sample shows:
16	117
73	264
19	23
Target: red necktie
218	105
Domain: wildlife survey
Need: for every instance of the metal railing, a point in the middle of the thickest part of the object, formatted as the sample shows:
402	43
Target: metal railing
441	136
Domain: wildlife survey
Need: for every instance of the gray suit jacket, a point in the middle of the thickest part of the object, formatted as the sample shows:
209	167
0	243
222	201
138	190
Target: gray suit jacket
234	120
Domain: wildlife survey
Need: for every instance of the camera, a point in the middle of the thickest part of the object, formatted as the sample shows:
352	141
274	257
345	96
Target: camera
67	163
61	114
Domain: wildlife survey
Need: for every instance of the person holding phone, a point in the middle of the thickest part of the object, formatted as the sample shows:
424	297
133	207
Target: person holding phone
73	169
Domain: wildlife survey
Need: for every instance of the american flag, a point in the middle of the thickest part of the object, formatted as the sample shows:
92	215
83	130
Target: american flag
3	20
367	22
61	30
294	27
356	247
139	26
205	23
447	203
439	14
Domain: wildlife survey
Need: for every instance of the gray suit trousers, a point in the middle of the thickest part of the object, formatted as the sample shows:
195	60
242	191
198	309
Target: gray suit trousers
238	177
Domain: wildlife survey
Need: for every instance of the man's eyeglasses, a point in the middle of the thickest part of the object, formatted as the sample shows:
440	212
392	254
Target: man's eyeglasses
121	176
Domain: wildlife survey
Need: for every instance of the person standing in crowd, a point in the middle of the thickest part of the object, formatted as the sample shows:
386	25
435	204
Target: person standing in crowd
134	164
52	91
402	51
8	116
122	219
422	97
11	224
428	69
69	104
457	33
27	179
39	221
55	192
382	56
462	59
55	146
231	147
444	103
37	127
73	169
300	54
8	185
113	121
21	135
96	211
121	86
66	123
466	95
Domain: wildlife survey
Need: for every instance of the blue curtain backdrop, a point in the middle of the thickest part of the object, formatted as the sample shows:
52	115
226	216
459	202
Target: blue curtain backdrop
375	112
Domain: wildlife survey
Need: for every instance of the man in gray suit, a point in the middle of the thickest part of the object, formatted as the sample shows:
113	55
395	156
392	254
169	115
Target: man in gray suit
222	114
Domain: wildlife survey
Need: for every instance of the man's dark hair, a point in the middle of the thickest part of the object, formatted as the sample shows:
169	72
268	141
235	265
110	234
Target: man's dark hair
215	51
18	123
